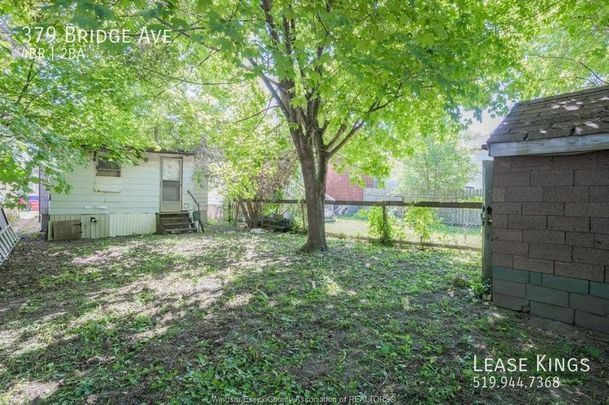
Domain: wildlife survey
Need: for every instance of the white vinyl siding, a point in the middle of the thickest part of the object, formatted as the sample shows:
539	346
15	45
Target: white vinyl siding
94	230
132	224
128	204
109	224
136	191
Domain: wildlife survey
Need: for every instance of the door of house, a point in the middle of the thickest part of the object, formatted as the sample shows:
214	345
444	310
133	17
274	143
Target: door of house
171	184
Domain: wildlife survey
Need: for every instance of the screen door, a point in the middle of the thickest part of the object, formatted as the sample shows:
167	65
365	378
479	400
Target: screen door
171	184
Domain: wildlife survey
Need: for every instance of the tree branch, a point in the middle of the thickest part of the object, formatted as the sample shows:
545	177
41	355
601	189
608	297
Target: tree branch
589	69
356	126
339	132
267	5
377	105
264	110
288	35
271	88
30	76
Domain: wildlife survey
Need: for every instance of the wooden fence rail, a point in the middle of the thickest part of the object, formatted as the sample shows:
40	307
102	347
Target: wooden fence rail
430	204
458	207
375	194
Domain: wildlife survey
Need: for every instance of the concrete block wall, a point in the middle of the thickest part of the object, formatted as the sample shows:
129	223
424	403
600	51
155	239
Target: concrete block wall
551	237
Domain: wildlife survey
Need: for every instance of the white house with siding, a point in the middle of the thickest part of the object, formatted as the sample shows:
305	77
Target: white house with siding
163	193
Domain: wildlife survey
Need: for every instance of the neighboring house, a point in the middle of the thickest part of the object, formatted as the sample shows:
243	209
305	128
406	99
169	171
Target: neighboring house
550	209
160	194
340	187
473	144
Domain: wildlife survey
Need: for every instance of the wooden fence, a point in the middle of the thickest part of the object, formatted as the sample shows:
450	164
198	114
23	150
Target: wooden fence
454	216
8	238
430	204
376	194
473	209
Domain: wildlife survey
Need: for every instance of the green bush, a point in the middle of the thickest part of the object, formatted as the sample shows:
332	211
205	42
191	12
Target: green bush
228	210
363	213
422	220
380	229
478	287
296	213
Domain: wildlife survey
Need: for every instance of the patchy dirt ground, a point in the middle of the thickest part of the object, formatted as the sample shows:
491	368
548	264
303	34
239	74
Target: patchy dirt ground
26	224
194	318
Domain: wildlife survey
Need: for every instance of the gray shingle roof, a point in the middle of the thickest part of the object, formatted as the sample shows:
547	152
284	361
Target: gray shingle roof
584	112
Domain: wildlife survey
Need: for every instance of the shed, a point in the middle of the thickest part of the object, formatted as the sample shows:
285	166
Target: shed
550	208
163	192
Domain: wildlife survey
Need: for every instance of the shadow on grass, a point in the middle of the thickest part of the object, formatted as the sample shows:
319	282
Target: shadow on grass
192	318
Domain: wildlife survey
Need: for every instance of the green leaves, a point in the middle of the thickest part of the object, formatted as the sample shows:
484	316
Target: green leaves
56	110
426	39
422	220
423	62
84	22
103	12
569	50
437	164
202	5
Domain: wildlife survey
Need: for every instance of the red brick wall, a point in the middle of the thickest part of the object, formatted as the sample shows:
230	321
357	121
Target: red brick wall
339	187
551	214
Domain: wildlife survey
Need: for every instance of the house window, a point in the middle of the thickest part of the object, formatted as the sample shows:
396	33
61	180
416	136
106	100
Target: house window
107	168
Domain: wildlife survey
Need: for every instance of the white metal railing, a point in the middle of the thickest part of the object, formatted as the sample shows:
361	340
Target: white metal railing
8	237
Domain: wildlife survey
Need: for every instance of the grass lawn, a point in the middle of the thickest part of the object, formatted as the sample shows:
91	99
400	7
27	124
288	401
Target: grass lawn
186	319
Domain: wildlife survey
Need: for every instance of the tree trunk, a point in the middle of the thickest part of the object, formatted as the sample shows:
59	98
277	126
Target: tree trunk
252	212
315	190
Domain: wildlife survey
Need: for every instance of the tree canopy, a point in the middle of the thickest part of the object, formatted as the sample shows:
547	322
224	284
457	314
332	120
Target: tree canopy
355	80
439	165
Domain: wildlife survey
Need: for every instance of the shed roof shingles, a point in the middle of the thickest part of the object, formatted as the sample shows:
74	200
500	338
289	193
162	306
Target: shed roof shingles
584	112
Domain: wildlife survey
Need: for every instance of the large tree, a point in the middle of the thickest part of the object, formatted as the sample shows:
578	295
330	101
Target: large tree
354	78
361	76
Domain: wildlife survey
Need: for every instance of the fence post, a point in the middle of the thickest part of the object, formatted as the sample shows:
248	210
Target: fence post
304	219
227	211
385	230
237	212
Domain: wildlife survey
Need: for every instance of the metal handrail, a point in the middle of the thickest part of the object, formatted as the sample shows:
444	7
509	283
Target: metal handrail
198	210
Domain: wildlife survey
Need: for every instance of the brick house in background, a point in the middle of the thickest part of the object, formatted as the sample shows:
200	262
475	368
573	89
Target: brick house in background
339	187
550	210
